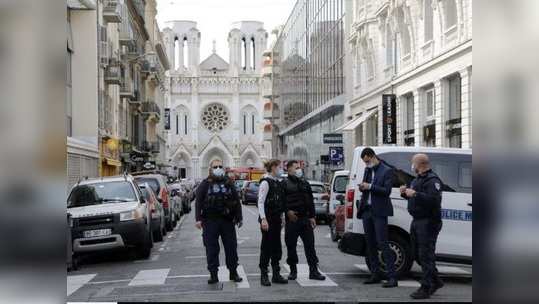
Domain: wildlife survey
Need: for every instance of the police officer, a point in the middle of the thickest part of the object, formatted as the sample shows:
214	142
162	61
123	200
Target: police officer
217	212
424	205
271	207
300	221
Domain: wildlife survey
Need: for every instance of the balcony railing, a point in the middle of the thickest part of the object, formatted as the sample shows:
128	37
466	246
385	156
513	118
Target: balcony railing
112	11
151	109
113	72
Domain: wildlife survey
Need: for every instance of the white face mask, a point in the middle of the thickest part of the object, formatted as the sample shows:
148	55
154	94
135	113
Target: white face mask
280	172
413	168
369	165
298	173
218	172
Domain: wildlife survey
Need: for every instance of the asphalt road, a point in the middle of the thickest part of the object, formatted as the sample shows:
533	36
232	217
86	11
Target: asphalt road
176	271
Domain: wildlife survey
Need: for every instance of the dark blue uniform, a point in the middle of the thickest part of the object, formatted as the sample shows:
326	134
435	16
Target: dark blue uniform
218	208
425	208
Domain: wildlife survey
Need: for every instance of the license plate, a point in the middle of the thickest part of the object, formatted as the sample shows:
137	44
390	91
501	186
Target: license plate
95	233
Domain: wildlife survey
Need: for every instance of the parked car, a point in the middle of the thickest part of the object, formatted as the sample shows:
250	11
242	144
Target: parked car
159	185
250	192
109	213
157	213
454	166
183	197
239	184
177	196
321	200
336	201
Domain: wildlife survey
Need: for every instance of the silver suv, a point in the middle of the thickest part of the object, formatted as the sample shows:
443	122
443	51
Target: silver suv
109	213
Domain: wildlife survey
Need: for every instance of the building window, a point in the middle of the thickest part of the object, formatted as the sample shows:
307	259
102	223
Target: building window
429	104
409	127
450	13
244	124
428	21
69	94
185	124
215	117
404	34
253	50
429	128
453	124
389	47
177	125
252	124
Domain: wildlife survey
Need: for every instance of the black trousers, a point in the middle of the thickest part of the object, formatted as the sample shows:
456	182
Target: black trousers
424	234
301	228
270	247
212	229
376	236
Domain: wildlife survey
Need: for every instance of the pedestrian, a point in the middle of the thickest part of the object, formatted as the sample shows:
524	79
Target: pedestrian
300	221
271	207
424	197
218	210
374	208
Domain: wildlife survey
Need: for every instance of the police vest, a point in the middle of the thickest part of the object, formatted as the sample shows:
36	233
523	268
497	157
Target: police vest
274	203
296	195
420	207
219	200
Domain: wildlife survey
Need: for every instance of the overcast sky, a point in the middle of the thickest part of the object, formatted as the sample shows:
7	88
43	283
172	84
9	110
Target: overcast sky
214	17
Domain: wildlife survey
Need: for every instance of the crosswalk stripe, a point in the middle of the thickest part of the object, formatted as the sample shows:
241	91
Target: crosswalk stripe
75	282
150	277
303	277
362	267
409	283
223	275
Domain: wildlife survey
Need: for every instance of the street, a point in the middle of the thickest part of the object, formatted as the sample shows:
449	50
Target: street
176	271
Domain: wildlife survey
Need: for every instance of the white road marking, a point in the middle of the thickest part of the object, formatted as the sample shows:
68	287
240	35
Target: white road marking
154	257
75	282
108	282
240	255
150	277
224	276
161	249
451	270
188	276
409	283
362	267
328	235
303	277
242	239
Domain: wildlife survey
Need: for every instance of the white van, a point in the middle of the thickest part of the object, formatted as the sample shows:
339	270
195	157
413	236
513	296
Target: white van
454	167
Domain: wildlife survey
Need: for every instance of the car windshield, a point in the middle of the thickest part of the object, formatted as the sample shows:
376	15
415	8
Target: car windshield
339	185
154	184
101	193
318	189
253	186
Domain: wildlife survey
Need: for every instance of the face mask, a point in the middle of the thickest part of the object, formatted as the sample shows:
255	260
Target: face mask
369	165
280	172
218	172
298	173
413	168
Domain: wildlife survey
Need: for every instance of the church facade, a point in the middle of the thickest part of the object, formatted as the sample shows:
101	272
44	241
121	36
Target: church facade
216	106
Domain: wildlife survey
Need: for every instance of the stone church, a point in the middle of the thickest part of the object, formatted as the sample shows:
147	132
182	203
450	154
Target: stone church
216	106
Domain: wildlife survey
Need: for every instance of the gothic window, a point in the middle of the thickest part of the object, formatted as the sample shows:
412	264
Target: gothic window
249	120
244	53
185	52
404	33
215	117
182	120
253	58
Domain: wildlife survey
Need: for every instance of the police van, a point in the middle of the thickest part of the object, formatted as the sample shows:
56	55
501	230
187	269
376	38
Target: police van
454	167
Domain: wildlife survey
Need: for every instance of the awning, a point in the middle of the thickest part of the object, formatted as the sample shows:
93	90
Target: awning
113	162
353	124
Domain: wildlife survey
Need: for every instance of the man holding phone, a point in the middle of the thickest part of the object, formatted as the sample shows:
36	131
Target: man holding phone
374	208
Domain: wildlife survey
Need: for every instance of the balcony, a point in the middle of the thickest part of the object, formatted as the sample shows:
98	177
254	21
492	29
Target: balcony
271	110
151	110
112	11
113	73
105	113
126	36
149	65
126	88
130	51
151	146
268	132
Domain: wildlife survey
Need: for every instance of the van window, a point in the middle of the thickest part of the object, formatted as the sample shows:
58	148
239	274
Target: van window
448	168
339	184
465	175
401	177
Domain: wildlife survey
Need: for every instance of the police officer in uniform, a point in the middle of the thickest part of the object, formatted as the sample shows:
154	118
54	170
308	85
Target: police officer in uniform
271	207
217	212
300	221
424	197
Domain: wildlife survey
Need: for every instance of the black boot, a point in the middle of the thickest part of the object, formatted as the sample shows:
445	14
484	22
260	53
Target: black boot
421	293
392	282
293	272
264	279
234	276
276	276
314	274
213	278
437	285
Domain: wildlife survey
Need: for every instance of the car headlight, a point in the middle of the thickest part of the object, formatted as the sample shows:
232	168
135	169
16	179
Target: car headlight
130	215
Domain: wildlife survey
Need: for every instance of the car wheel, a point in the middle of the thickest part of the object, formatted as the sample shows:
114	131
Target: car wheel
333	230
402	250
145	248
158	234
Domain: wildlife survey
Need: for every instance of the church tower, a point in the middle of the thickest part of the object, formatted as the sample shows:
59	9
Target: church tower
247	41
182	39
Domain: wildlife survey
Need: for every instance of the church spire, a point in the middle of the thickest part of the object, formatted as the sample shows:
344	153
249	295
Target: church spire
214	49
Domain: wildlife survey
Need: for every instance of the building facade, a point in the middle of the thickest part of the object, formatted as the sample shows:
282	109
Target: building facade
308	90
421	52
215	105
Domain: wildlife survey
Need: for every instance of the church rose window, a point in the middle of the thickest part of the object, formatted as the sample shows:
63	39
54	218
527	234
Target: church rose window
215	117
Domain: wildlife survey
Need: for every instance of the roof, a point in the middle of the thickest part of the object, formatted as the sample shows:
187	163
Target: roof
214	61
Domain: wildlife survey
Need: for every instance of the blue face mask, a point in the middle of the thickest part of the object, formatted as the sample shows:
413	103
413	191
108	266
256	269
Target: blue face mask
298	173
218	172
280	172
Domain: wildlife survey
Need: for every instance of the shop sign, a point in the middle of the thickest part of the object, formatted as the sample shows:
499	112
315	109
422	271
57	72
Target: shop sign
389	118
332	138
